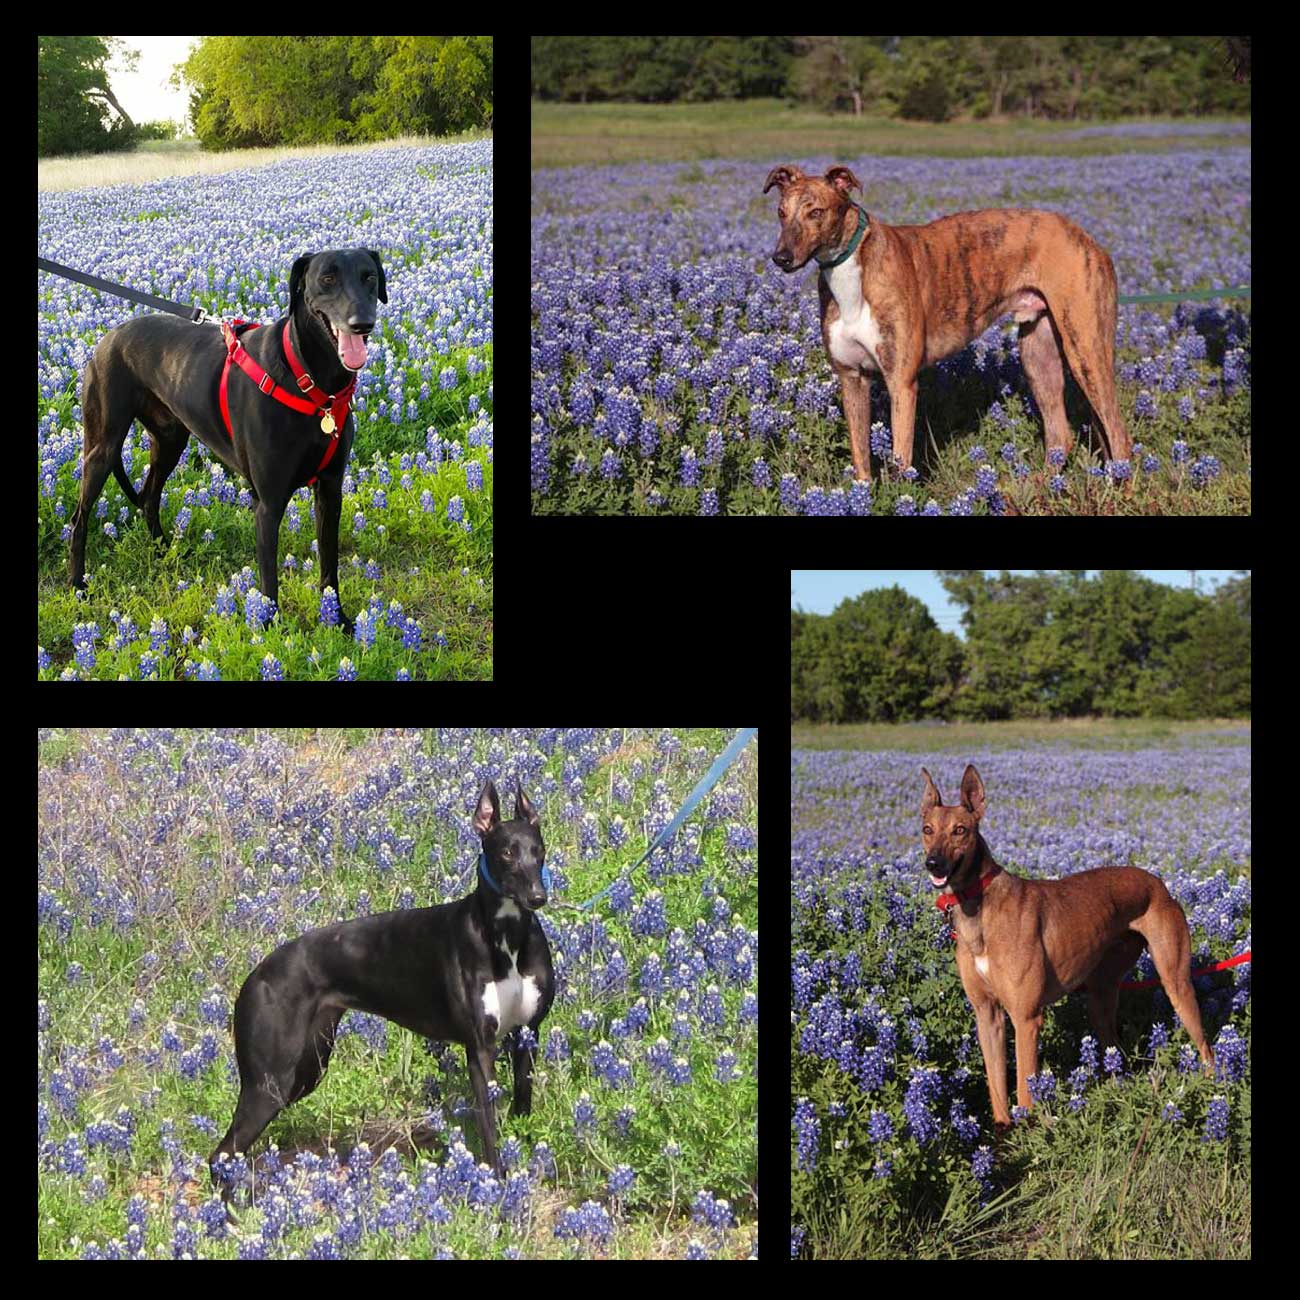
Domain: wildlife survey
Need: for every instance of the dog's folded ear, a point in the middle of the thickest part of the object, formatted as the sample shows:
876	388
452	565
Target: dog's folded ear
383	279
843	179
781	177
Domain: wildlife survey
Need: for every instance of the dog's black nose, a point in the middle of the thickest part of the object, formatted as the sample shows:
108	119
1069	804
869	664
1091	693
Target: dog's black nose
782	258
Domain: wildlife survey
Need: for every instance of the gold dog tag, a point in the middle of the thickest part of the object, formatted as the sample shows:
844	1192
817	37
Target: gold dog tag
327	423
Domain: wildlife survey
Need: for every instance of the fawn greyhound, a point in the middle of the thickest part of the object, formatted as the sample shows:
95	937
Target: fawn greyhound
896	298
1022	944
464	972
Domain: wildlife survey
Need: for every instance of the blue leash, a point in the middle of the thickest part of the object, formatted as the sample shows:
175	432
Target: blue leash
707	782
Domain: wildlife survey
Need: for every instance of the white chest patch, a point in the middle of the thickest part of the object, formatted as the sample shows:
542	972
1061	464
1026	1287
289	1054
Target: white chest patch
511	1001
982	965
854	339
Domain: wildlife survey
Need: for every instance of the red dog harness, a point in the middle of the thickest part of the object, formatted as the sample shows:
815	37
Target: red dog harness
332	409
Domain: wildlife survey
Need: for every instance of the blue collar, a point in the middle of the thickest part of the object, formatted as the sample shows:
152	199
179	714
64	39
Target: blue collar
492	884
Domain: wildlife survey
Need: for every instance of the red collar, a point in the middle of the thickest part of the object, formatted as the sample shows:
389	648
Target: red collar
330	409
945	901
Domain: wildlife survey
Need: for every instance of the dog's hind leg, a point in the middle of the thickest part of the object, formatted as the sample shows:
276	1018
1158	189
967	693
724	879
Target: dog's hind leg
1103	986
167	440
107	419
1040	355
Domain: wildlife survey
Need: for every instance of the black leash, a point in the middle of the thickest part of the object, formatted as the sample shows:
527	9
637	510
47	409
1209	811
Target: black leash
196	314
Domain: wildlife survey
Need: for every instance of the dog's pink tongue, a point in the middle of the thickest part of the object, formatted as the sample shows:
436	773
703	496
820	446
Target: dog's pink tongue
352	350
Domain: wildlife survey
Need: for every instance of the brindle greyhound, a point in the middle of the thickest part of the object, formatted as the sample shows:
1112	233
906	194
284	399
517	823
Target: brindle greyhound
1022	944
896	298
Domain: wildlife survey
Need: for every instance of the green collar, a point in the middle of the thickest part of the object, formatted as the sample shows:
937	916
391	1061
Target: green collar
827	263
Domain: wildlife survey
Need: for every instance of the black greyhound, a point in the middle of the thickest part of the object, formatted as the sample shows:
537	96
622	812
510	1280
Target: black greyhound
464	972
284	422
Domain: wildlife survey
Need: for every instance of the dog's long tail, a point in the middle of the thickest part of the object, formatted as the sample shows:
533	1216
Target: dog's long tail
119	473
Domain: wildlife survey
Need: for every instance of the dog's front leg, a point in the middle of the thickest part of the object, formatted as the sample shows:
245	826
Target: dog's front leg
902	418
1026	1055
329	510
522	1058
991	1027
479	1058
268	516
855	388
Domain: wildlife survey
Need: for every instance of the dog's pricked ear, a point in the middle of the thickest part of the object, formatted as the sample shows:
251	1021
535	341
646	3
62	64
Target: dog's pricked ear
488	813
843	179
972	791
781	177
523	808
931	798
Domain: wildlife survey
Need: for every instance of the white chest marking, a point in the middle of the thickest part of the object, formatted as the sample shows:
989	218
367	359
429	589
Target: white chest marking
854	339
982	965
511	1001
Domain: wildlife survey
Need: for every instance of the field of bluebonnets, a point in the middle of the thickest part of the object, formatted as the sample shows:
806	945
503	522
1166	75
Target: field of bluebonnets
415	544
890	1107
170	862
676	370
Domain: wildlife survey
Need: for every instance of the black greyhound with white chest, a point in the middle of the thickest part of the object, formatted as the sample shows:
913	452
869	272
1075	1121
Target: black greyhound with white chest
466	972
285	422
